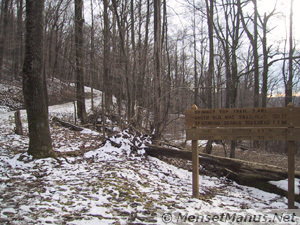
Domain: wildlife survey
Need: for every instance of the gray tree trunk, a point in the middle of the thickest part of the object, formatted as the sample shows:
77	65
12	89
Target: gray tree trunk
157	68
81	112
289	83
4	18
40	145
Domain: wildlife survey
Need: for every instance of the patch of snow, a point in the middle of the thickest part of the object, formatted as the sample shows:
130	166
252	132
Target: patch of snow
283	184
88	131
4	109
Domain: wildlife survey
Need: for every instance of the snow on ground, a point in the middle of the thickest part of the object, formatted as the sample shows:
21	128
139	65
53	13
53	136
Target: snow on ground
283	184
113	182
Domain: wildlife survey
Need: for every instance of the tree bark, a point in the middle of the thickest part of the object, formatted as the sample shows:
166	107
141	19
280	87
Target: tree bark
4	17
134	59
266	51
256	57
210	22
81	111
19	40
157	69
34	91
196	83
264	91
289	83
106	57
92	55
18	123
141	96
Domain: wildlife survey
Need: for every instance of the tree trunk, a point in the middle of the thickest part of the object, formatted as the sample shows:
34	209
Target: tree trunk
234	71
33	83
18	123
289	83
92	63
196	85
134	58
143	66
81	112
4	17
266	51
106	57
157	69
210	22
256	57
19	40
166	100
264	91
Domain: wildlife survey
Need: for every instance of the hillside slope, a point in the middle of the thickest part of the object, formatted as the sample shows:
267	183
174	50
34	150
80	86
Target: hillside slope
111	181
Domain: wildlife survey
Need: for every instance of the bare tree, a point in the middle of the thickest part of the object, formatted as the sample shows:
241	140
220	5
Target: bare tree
254	43
143	56
266	56
229	38
120	20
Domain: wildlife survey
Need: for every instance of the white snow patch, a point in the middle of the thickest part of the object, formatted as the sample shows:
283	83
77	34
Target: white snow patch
283	184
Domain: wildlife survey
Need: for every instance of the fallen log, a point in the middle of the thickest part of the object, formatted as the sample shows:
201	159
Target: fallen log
67	125
243	172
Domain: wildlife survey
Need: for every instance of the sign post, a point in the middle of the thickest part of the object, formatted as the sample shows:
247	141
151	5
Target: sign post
244	124
291	166
195	163
291	174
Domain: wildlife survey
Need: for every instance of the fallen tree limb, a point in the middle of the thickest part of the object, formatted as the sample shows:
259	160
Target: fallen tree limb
243	172
66	124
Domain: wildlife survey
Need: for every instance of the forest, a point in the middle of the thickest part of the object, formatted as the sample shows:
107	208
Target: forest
93	95
223	55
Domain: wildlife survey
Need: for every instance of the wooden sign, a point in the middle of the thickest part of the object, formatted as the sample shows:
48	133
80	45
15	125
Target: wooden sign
241	133
244	124
256	117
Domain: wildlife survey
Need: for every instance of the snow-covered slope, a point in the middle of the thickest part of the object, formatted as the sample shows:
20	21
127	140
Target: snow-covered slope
113	182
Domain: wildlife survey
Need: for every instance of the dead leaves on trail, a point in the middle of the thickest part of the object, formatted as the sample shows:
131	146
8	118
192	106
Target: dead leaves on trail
65	140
